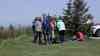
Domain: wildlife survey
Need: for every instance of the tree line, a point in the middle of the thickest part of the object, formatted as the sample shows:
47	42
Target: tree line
13	32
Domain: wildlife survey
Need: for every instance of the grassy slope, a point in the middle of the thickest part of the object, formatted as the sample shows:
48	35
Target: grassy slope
22	46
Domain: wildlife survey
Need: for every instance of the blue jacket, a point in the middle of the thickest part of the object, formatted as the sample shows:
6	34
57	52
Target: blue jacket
46	25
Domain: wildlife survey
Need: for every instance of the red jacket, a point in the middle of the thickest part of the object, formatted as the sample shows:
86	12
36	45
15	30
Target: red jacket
80	35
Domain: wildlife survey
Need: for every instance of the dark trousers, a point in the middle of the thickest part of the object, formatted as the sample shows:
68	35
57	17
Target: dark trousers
47	37
38	35
61	33
44	35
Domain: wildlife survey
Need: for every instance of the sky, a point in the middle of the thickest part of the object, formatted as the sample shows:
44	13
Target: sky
23	11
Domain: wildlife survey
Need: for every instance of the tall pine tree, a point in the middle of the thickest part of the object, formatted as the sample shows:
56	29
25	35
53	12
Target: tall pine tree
81	16
68	15
77	14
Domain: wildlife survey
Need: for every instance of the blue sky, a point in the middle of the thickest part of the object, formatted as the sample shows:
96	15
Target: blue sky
23	11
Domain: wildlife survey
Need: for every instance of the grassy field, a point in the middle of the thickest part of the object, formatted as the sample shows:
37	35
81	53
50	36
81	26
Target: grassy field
22	46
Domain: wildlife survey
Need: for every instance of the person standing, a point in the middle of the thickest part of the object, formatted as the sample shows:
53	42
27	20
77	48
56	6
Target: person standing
52	27
46	29
61	28
38	30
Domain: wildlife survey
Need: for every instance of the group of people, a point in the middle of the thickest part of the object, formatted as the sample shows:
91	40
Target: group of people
44	28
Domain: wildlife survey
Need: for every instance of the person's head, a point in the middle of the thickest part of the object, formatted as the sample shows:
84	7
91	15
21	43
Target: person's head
39	19
52	18
58	18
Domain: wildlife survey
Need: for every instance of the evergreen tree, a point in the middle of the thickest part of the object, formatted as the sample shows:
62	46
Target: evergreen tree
68	15
67	12
78	11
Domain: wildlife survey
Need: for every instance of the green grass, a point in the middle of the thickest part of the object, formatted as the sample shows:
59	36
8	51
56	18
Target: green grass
23	46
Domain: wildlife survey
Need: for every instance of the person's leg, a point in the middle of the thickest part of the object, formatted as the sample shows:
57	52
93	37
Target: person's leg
34	34
45	38
33	31
40	36
53	37
49	38
61	33
35	37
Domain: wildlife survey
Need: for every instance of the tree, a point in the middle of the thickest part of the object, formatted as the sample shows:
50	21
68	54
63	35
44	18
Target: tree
77	14
68	12
68	18
68	15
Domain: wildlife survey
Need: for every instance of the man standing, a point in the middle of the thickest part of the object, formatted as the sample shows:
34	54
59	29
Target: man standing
61	28
46	28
